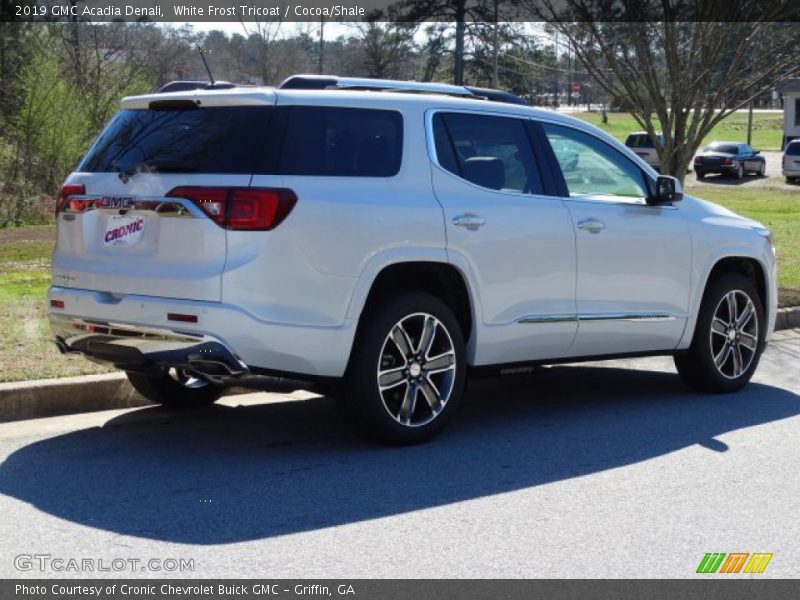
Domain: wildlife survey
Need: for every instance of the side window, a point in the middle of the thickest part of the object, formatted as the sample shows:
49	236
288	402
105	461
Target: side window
492	152
593	168
344	142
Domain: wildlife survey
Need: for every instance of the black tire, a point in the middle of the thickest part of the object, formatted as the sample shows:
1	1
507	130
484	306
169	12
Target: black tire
378	415
168	389
762	170
790	180
699	174
739	173
696	366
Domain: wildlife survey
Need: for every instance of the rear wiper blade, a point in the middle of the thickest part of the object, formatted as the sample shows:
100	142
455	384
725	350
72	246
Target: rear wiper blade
153	166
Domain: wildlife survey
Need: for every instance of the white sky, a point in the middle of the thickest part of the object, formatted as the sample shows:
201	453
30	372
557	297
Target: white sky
332	30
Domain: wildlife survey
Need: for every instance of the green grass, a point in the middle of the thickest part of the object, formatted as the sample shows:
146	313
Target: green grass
767	128
779	211
26	351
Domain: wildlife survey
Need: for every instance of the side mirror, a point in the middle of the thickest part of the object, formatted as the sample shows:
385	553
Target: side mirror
668	189
756	151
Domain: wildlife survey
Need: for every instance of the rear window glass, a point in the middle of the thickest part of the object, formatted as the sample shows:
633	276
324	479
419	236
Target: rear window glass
723	148
793	149
639	141
344	142
206	140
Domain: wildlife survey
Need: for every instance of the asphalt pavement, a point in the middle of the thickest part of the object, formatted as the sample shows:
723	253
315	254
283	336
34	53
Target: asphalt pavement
598	470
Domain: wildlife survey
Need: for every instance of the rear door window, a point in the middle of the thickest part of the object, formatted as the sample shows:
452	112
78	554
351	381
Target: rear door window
793	149
492	152
227	139
342	142
638	140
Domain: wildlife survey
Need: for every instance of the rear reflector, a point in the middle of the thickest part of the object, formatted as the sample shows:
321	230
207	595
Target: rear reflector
57	303
67	190
182	318
247	209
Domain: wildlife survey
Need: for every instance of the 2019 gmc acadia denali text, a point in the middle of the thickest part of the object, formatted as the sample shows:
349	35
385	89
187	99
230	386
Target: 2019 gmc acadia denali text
388	242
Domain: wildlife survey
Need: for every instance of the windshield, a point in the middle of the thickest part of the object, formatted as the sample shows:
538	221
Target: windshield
639	140
207	140
793	149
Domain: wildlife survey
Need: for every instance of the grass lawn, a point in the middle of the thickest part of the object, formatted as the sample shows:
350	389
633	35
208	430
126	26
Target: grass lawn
767	128
27	353
25	348
779	211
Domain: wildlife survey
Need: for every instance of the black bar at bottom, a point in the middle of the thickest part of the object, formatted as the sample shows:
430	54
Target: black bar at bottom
705	587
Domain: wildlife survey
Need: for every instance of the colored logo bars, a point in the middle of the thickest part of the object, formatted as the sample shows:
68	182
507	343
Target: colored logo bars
719	562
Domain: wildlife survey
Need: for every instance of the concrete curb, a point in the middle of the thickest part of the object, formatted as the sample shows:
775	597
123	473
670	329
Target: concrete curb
50	397
787	318
21	400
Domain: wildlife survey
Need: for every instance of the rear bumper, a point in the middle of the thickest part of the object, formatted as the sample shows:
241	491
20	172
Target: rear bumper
143	349
134	333
724	170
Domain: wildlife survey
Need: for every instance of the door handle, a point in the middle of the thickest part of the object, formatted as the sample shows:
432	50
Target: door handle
591	225
469	221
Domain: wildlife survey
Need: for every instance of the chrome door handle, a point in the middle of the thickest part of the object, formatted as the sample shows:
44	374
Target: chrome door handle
591	225
470	221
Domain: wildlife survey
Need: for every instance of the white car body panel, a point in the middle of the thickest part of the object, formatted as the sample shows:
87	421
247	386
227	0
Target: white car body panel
290	299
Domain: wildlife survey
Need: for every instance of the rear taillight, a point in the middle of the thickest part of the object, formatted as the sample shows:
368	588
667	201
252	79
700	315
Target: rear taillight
250	209
697	160
727	161
67	190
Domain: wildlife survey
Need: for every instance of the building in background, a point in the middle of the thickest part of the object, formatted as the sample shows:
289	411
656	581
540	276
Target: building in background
791	110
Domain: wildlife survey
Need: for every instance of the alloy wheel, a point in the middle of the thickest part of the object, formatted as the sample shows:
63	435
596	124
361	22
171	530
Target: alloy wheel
416	369
734	334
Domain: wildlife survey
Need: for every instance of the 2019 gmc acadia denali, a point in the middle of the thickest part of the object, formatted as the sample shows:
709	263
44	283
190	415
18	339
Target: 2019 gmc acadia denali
387	237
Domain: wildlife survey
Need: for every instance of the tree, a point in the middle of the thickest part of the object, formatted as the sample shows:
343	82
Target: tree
385	49
685	68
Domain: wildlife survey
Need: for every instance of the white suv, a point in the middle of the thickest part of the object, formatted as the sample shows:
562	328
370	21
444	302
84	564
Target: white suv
383	239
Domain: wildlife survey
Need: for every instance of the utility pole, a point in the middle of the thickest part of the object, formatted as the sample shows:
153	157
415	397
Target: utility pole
750	123
558	70
496	51
321	66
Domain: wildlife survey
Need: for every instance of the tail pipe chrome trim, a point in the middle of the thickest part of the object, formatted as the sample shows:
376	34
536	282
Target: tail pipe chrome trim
135	348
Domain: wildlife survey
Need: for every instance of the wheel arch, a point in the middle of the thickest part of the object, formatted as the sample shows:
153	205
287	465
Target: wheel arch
432	274
748	265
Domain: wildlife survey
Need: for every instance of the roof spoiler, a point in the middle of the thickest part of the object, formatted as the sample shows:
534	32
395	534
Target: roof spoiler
184	86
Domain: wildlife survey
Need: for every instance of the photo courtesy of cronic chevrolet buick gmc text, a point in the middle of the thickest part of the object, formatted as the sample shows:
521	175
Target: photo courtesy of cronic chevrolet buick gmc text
382	239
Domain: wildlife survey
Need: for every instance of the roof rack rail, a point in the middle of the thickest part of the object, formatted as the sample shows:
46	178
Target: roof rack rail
184	86
324	82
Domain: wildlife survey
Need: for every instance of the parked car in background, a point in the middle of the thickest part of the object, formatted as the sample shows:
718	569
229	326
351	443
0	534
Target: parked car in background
790	165
729	158
642	145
